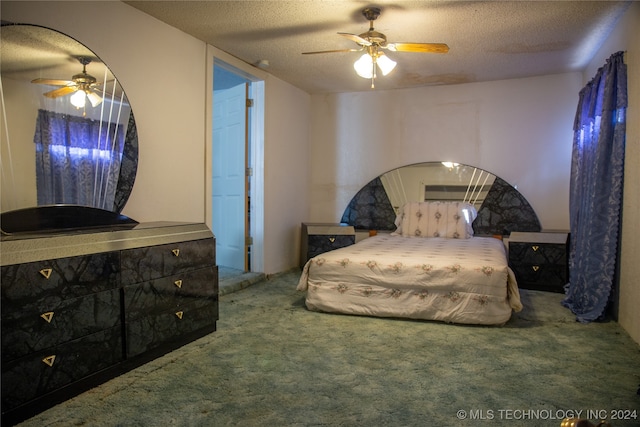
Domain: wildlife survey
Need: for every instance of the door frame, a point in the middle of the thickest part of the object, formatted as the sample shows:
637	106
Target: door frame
255	147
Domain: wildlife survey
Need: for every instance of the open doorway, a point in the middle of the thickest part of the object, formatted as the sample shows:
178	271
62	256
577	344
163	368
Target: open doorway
236	169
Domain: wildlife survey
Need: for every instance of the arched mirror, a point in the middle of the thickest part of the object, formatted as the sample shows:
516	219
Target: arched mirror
501	208
69	135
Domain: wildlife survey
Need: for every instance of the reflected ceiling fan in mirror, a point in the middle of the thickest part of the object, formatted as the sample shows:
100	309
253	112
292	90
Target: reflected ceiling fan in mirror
83	86
373	43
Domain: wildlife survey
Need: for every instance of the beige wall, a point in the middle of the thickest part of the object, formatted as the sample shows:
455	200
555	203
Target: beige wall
18	186
520	129
285	186
626	37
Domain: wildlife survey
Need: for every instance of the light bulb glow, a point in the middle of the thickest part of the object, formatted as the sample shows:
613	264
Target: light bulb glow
385	63
364	66
94	98
78	99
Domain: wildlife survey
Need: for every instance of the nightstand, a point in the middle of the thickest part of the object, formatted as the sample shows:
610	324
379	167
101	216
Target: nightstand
539	260
318	238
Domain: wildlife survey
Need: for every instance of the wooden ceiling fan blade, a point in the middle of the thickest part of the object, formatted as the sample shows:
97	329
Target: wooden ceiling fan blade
61	91
418	47
356	38
332	51
52	82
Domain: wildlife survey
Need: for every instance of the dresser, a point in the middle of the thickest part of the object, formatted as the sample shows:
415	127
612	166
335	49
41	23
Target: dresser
539	260
318	238
79	309
168	291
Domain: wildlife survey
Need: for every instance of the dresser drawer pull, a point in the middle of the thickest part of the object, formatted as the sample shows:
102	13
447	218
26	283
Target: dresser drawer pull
49	360
46	272
535	248
536	267
179	314
47	316
176	252
332	239
178	283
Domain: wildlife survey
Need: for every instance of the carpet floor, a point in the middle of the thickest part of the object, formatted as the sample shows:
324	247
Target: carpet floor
274	363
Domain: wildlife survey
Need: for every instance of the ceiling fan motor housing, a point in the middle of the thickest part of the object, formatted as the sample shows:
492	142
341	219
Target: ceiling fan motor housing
375	37
83	78
371	13
372	36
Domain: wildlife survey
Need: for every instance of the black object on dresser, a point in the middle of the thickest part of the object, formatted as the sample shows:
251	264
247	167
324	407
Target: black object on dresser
318	238
79	309
539	260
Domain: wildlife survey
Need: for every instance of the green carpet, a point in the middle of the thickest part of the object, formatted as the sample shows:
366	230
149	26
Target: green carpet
274	363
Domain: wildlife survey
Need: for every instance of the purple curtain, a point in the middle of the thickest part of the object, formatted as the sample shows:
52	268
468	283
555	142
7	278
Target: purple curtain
77	160
597	169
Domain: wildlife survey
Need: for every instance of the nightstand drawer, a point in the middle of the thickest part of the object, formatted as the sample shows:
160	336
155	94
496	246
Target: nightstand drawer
321	244
539	253
541	277
539	260
320	238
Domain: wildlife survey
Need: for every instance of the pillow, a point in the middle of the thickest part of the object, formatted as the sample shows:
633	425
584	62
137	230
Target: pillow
450	220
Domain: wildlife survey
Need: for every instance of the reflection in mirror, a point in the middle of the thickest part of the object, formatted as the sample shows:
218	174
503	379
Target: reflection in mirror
501	208
435	181
69	134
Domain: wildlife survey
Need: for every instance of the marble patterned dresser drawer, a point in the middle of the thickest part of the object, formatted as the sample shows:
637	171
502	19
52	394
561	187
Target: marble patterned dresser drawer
168	326
41	372
169	293
56	279
146	263
47	303
158	309
53	321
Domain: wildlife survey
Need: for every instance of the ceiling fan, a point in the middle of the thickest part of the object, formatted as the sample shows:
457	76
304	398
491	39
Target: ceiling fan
82	86
373	43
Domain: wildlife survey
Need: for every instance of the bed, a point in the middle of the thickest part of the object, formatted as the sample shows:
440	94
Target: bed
431	267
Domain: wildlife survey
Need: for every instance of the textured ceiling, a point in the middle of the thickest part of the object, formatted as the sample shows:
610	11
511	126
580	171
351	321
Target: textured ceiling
488	40
30	52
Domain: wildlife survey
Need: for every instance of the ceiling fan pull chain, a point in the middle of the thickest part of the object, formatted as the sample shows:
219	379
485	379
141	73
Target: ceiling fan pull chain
373	74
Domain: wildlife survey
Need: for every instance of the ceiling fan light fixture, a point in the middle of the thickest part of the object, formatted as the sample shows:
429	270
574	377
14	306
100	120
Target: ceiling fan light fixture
94	98
373	43
385	63
364	66
78	99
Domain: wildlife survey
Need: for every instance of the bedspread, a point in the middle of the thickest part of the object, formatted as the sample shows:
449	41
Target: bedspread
451	280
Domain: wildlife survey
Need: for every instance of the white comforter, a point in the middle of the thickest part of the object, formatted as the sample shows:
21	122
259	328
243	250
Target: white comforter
451	280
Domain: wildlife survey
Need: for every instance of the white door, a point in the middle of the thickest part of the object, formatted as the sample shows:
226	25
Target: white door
229	166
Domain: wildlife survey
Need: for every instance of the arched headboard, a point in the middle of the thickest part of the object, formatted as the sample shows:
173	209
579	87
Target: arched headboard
501	207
